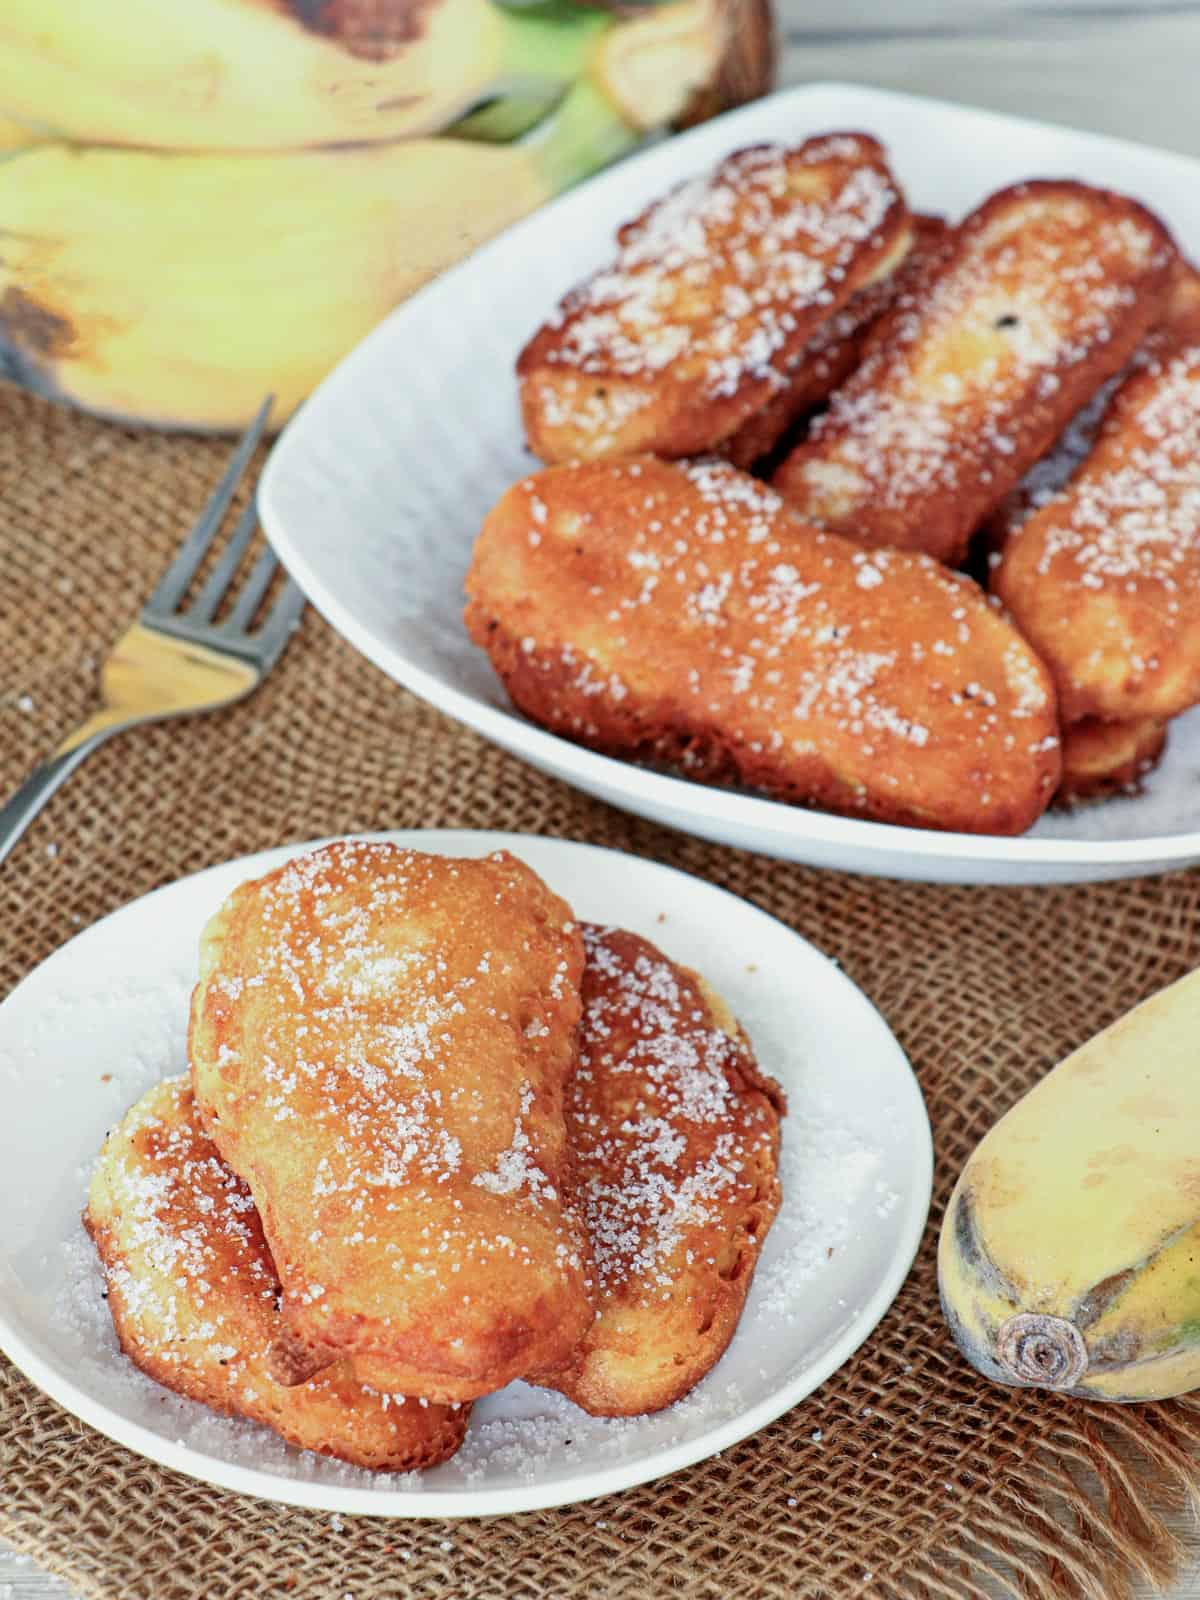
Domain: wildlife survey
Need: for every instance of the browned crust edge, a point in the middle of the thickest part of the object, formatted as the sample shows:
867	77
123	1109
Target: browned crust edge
438	1448
694	425
1084	788
665	736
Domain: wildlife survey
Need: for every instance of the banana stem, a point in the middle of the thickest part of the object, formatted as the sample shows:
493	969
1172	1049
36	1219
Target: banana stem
585	133
542	50
503	121
545	46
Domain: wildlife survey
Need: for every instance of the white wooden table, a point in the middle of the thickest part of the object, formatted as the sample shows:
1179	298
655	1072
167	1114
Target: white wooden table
1128	69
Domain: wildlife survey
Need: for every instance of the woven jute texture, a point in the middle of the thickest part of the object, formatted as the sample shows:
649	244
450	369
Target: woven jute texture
904	1475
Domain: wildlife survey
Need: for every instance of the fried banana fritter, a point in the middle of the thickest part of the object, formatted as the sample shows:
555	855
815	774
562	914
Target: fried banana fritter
676	1133
380	1044
683	613
1106	758
1036	299
195	1299
834	351
714	289
1104	579
1180	322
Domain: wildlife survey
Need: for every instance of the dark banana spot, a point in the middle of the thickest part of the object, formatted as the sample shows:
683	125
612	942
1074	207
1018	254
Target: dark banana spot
1100	1296
31	339
37	330
373	30
966	1239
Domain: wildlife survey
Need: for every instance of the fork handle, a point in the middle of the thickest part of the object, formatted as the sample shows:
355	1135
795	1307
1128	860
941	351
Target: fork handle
19	811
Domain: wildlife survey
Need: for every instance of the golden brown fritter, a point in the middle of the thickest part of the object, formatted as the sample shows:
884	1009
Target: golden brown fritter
676	1134
195	1299
1038	297
713	290
1106	758
683	613
1104	579
1180	322
834	351
380	1043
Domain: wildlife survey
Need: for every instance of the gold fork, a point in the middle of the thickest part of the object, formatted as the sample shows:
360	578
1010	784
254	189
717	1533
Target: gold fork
172	662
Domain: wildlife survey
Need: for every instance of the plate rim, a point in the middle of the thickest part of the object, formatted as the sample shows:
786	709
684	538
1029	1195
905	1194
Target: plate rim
315	1495
682	798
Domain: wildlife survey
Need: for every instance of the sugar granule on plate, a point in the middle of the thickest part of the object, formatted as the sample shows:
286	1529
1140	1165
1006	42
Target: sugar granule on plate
825	1167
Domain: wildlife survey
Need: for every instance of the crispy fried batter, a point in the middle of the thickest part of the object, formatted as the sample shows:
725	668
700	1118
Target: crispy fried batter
683	613
1105	758
714	289
1104	579
380	1043
1034	301
676	1133
834	351
195	1299
1180	322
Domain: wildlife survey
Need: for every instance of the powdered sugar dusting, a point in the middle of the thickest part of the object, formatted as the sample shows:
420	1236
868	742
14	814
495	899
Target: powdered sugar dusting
186	1224
807	378
811	666
715	280
830	1171
1104	578
196	1300
833	1167
353	997
1133	513
80	1315
670	1141
955	391
1048	476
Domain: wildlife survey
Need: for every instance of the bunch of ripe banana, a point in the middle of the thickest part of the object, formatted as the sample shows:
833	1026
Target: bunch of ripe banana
207	200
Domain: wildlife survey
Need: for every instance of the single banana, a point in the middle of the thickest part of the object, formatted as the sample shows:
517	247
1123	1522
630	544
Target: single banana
179	288
1070	1252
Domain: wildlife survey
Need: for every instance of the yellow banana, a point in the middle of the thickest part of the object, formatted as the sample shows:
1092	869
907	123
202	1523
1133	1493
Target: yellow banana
181	288
254	74
1069	1256
14	136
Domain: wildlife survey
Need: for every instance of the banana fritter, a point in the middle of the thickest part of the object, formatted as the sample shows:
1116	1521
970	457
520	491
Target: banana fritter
676	1135
714	289
195	1300
1039	296
1104	579
683	613
1180	322
380	1043
834	351
1106	758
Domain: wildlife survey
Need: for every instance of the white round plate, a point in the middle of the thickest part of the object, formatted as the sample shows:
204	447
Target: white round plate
377	488
105	1017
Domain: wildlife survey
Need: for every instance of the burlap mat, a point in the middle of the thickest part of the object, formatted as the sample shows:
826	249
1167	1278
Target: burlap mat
924	1478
